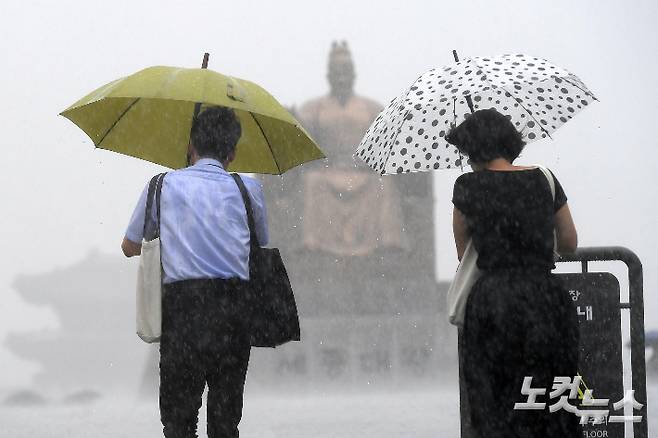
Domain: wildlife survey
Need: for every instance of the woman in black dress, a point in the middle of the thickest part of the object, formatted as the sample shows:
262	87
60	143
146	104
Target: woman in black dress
519	321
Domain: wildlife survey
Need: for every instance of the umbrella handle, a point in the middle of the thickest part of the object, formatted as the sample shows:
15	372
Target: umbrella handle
469	101
197	106
204	65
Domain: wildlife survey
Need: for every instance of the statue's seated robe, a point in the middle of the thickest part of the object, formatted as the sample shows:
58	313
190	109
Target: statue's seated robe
348	209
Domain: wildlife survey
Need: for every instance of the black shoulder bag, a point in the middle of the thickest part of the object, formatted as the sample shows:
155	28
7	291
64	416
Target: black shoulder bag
270	303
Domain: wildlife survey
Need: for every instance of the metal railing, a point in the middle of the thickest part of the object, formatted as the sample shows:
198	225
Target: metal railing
635	306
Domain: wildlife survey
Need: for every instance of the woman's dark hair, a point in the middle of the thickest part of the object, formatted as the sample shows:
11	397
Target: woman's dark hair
215	132
486	135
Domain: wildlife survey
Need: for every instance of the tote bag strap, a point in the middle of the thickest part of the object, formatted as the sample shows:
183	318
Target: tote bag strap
247	204
152	230
551	181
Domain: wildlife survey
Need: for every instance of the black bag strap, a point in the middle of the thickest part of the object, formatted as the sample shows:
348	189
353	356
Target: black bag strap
253	239
155	187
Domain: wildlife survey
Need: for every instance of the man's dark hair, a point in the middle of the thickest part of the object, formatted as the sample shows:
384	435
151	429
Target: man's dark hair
486	135
215	132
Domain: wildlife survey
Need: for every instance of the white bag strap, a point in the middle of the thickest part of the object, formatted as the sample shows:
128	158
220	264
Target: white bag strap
551	182
549	176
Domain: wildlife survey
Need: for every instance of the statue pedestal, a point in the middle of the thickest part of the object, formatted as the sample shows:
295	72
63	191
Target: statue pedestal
368	319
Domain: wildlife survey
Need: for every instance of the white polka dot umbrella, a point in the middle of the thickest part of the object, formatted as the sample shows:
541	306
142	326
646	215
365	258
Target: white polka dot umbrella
409	134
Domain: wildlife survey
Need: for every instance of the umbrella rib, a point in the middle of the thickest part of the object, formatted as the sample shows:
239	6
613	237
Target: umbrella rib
388	156
118	120
529	112
588	93
266	141
522	106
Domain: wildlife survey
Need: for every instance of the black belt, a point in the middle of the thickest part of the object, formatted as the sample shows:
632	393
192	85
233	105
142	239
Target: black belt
220	284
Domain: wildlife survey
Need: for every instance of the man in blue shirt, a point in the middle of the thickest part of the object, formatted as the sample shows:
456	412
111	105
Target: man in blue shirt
204	238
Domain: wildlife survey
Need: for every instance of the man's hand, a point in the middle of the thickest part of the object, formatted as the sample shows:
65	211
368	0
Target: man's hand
130	248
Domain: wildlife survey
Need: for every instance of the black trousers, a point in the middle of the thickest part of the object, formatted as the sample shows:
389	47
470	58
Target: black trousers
204	341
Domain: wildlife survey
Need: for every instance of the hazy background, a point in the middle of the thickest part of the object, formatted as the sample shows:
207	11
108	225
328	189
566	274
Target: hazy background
62	199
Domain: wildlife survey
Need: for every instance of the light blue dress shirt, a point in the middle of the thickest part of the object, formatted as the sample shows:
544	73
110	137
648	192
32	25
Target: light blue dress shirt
203	223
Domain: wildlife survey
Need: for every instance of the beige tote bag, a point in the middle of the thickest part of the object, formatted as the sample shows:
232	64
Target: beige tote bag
467	274
149	273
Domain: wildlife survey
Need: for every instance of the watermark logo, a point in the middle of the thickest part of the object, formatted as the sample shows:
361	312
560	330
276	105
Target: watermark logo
591	410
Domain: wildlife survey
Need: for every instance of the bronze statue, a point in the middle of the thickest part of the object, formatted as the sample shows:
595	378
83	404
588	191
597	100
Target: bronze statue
347	209
339	120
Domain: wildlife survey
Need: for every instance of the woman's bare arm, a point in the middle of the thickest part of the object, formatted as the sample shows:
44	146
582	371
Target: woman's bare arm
460	231
567	237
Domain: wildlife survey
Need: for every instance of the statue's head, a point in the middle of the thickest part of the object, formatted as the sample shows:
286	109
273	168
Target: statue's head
341	70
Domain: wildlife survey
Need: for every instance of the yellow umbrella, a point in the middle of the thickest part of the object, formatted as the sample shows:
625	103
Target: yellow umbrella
149	114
